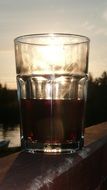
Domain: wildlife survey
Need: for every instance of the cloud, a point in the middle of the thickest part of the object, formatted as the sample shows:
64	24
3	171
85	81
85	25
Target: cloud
101	31
104	15
89	26
95	29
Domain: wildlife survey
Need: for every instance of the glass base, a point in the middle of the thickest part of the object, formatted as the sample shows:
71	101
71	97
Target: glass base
52	148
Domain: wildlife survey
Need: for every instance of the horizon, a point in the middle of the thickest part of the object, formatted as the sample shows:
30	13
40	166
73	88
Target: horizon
13	85
65	16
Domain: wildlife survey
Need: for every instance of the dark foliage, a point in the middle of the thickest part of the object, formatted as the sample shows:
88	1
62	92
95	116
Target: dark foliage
96	109
9	112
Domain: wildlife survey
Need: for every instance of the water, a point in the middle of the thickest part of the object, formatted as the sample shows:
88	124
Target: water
11	133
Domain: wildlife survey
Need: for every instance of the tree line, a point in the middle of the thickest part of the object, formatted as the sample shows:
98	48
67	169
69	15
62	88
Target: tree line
9	111
96	107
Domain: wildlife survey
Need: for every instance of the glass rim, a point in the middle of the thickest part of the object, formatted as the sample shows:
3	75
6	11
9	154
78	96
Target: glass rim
22	39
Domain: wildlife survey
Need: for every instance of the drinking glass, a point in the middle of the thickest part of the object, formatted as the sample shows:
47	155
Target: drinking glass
52	88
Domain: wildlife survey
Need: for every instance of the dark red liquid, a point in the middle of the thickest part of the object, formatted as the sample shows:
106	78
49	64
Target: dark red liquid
52	121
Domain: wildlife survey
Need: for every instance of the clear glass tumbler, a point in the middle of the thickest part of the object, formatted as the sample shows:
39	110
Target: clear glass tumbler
52	87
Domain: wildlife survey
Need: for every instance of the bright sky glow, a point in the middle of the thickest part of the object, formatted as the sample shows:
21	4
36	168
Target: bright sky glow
39	16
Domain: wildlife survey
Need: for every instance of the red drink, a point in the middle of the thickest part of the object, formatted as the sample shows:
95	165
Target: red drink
52	121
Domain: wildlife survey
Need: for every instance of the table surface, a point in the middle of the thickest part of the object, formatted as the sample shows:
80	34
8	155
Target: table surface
26	171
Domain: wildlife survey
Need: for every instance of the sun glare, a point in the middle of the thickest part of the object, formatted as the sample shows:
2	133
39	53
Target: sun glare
49	58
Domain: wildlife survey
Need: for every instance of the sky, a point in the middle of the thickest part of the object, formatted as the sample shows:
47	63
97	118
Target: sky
84	17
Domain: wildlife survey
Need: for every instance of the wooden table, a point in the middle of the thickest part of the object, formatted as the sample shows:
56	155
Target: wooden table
86	170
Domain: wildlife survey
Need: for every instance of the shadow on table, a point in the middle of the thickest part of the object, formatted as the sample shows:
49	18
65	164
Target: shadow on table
36	171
